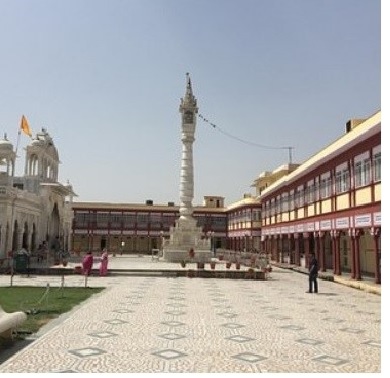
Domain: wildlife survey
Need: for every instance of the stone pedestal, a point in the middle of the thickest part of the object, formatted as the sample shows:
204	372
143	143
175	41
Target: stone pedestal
184	236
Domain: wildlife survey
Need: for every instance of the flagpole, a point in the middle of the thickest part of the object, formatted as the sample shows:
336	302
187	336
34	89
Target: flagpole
17	142
12	218
25	127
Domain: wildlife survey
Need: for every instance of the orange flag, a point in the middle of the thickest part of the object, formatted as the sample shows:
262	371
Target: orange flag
25	127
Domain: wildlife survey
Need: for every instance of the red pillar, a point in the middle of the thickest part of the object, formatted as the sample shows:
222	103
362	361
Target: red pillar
321	258
297	251
277	246
316	245
337	262
352	244
357	255
376	233
333	242
291	251
306	243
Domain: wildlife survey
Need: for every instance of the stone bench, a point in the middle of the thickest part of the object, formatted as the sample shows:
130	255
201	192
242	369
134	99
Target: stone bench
9	321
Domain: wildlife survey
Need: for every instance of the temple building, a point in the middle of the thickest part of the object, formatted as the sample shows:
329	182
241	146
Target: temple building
34	207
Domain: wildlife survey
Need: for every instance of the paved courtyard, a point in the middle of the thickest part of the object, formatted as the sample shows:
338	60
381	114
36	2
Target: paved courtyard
160	324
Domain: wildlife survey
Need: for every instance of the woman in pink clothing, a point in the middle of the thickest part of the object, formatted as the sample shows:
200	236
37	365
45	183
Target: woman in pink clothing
87	263
104	263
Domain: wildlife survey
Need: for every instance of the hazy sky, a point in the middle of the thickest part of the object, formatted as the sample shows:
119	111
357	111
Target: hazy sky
105	79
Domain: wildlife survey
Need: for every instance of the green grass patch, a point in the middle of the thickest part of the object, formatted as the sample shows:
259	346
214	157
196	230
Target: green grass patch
42	304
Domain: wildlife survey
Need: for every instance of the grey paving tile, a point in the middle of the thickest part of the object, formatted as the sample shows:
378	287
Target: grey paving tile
166	324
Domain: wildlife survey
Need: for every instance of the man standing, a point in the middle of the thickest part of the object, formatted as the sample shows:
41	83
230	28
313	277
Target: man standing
313	273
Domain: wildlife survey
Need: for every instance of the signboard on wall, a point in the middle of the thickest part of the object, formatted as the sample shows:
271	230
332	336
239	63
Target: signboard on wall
342	223
363	220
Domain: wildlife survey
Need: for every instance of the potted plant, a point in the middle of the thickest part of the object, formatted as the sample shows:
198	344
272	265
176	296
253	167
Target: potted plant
212	264
78	269
228	264
200	265
190	273
183	263
250	273
238	265
220	257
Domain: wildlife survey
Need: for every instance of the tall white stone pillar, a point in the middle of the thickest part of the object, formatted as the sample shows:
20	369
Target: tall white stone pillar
186	235
188	109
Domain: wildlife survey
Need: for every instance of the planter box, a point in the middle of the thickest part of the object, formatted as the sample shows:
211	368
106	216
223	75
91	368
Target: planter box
191	273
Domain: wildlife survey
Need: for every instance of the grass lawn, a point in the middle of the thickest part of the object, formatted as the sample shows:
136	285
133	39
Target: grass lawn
42	304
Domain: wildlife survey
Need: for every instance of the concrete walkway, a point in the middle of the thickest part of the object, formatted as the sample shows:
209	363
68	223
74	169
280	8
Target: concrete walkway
161	324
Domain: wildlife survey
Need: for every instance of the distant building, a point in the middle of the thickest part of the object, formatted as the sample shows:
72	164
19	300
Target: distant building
139	228
244	224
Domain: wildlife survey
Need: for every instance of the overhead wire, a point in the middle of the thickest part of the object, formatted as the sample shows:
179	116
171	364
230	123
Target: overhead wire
289	148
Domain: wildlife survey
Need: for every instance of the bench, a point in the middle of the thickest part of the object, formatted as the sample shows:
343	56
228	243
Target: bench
9	321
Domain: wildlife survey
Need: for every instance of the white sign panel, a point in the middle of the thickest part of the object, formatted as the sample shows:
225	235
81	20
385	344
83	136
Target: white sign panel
363	220
326	225
80	232
342	223
100	232
377	219
128	232
310	226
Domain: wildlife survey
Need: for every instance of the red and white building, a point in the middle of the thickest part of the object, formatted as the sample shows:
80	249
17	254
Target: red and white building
330	204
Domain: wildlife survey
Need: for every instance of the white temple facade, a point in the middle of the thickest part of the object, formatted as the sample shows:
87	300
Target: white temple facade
34	207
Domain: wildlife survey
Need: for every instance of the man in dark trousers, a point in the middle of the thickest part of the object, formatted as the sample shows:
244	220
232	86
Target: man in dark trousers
313	273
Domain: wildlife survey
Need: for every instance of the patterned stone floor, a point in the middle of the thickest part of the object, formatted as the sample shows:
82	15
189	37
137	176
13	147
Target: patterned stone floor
207	325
